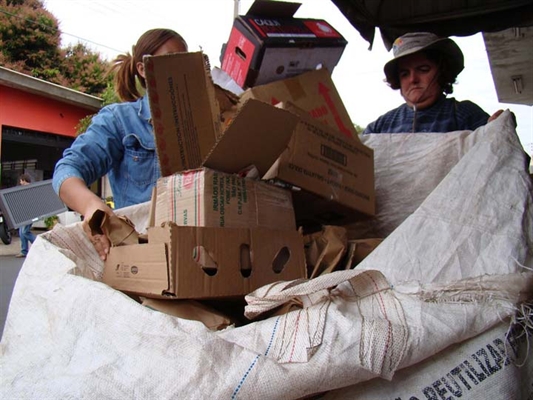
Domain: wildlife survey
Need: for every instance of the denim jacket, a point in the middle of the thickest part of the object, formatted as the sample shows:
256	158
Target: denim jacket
119	142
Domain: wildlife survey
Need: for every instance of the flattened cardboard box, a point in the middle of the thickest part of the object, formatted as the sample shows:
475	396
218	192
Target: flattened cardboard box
313	92
197	262
335	173
204	197
188	119
268	44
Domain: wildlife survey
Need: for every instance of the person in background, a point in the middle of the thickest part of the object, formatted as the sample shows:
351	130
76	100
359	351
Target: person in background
25	233
118	142
425	68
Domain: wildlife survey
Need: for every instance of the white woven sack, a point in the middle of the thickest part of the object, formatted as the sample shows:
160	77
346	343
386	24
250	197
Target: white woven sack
69	336
408	167
484	367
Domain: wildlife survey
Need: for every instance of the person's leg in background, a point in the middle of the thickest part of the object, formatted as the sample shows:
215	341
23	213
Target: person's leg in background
26	237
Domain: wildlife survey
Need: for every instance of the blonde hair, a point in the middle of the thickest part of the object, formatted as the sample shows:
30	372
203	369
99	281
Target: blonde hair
125	65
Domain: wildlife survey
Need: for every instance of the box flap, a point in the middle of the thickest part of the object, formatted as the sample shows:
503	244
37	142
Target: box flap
256	136
312	91
273	9
184	108
339	170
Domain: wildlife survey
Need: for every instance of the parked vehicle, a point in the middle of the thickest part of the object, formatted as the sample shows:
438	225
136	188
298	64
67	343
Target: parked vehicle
5	232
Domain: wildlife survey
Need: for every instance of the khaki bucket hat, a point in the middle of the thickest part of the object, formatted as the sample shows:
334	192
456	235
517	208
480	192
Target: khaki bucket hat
411	43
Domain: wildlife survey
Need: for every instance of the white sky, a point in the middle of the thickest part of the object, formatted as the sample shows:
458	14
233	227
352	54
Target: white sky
113	26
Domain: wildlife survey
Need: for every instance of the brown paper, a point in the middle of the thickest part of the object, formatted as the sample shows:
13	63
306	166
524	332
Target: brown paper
362	248
191	310
325	249
119	230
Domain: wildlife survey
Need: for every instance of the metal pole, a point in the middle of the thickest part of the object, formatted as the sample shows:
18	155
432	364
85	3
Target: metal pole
236	8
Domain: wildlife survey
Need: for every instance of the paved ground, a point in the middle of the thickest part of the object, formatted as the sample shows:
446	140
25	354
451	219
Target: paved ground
14	248
11	249
9	270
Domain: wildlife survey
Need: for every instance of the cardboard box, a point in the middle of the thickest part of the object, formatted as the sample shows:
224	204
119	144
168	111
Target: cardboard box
268	44
188	119
197	262
204	197
335	173
313	92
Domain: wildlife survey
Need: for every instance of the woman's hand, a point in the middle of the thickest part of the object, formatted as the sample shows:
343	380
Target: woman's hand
78	197
498	113
100	241
495	115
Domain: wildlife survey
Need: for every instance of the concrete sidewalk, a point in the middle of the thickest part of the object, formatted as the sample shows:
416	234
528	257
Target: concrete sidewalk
13	248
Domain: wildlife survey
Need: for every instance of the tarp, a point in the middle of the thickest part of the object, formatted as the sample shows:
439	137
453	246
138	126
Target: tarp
457	266
445	18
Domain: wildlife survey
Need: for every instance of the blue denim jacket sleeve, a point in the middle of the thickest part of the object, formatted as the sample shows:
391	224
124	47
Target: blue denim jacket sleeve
119	142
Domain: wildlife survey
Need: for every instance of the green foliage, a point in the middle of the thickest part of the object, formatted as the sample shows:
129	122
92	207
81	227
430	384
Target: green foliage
30	34
30	43
108	96
359	129
51	221
84	70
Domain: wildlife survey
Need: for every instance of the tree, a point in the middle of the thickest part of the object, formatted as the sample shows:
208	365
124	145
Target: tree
29	36
30	43
109	96
84	70
359	129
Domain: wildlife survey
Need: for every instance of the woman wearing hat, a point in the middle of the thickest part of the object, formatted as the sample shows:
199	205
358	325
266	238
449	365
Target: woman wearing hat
424	68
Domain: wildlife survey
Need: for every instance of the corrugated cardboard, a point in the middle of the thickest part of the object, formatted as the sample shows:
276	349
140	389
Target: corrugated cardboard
192	310
268	44
204	197
197	262
313	92
188	118
188	124
335	173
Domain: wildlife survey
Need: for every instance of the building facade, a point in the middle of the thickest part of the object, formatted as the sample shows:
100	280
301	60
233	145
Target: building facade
38	122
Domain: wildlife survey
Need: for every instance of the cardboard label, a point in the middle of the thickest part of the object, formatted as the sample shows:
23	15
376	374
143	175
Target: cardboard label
280	28
210	198
320	161
322	29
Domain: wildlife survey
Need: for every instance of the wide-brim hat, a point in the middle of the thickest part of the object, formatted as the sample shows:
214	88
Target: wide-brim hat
411	43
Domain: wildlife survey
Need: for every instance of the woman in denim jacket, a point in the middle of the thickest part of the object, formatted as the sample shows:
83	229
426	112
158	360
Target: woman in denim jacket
119	141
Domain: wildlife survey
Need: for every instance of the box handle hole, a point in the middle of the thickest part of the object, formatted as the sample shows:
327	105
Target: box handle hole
240	53
245	260
205	260
281	260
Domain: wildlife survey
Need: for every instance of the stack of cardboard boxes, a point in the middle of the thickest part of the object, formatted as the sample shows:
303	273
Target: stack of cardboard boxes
215	233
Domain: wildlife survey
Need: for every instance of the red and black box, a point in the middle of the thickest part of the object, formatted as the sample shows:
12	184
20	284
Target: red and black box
268	44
